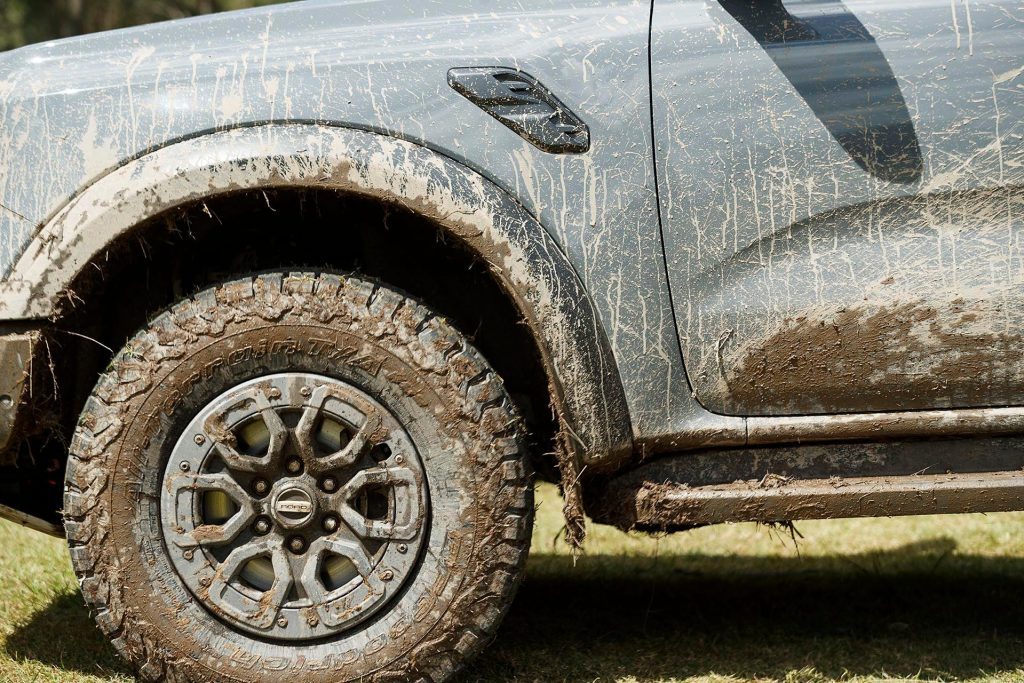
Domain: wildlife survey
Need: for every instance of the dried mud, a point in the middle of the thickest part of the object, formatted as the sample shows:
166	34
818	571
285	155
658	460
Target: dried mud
883	356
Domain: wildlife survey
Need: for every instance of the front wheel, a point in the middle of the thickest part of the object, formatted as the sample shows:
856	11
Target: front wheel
298	476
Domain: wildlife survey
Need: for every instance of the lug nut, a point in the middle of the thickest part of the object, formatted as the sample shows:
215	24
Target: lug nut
296	544
294	466
262	526
261	486
329	484
330	524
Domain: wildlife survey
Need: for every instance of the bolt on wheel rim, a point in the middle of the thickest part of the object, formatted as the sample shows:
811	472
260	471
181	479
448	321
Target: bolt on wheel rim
294	506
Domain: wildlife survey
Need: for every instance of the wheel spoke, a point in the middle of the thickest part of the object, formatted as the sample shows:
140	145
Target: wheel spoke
349	548
188	534
262	612
334	606
406	520
226	441
358	445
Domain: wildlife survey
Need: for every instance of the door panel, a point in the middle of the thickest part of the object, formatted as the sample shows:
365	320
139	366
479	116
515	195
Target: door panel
842	199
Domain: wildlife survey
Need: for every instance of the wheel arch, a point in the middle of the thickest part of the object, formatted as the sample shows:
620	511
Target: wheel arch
583	382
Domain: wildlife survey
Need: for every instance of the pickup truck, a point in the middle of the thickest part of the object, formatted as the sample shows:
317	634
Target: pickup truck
296	303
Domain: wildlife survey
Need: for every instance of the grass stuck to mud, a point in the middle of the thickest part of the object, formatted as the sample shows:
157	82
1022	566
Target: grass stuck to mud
928	598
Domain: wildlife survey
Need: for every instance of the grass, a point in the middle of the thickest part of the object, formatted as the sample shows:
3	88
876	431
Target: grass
927	598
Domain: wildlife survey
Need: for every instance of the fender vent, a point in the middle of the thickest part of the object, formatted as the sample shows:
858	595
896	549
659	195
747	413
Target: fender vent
523	104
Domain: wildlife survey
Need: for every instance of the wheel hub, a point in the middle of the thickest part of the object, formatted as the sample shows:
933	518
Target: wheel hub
294	506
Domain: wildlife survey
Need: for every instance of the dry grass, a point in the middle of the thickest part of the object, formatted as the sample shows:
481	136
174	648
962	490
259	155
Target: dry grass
930	598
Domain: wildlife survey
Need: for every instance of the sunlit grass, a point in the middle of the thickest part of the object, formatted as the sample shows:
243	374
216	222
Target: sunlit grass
926	598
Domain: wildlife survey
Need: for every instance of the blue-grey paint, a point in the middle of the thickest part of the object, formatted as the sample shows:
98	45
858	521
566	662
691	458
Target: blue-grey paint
769	219
805	279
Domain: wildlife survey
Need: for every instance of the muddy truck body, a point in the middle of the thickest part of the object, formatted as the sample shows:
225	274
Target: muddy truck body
298	302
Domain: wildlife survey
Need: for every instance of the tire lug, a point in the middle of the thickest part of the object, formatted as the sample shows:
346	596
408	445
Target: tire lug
261	487
294	466
329	484
330	524
261	526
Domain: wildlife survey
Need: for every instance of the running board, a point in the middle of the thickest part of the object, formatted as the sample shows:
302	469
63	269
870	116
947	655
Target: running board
815	482
669	506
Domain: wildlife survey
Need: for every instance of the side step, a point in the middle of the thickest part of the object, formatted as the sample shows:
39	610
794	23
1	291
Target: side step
667	506
777	485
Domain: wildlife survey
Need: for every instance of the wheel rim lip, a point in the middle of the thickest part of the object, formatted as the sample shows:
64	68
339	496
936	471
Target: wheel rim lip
362	596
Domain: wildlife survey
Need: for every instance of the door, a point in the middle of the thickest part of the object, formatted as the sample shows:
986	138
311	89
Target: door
842	191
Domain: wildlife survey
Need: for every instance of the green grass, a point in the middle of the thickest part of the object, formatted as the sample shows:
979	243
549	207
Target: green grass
928	598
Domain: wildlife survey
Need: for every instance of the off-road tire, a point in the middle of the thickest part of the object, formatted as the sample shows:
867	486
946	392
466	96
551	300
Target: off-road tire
396	350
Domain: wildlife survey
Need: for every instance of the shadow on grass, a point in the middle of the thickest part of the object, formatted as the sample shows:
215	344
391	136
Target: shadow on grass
919	611
64	635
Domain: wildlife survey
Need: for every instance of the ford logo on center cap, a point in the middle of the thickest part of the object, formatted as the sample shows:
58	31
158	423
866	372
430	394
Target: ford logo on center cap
293	507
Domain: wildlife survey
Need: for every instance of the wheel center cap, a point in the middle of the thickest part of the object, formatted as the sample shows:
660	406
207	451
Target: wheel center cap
293	506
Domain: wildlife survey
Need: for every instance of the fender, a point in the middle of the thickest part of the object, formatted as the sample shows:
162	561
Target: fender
582	375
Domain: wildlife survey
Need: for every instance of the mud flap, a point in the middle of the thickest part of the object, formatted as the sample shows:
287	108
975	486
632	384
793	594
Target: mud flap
16	352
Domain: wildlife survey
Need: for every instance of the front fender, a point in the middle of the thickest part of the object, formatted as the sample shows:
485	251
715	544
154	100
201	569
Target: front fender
583	379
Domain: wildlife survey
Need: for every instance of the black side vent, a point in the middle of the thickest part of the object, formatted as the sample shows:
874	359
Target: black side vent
523	104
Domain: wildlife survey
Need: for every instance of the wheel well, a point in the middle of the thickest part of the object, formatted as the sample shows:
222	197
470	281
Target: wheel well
176	254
